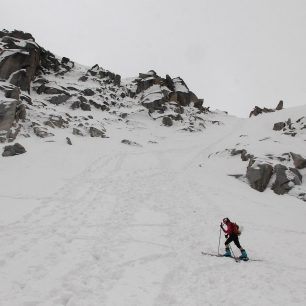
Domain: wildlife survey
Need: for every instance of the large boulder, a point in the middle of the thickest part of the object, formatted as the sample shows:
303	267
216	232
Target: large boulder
15	149
279	126
259	174
42	132
20	68
94	132
59	99
167	121
7	114
298	161
285	179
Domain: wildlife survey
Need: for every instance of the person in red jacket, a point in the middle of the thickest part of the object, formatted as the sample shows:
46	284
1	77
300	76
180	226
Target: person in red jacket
231	233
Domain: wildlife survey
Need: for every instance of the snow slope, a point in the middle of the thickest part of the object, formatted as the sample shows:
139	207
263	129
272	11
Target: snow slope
105	223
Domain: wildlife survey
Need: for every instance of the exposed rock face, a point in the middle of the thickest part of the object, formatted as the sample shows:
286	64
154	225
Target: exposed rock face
285	179
59	99
298	160
25	65
280	105
21	67
257	110
291	128
156	92
259	174
42	132
78	132
15	149
7	114
94	132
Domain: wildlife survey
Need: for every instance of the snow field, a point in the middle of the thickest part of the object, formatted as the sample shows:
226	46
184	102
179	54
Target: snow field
103	223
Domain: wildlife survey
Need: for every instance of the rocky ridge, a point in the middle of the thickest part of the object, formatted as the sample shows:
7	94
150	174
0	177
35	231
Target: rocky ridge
41	93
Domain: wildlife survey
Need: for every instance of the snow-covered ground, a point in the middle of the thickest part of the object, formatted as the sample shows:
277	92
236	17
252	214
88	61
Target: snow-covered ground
105	223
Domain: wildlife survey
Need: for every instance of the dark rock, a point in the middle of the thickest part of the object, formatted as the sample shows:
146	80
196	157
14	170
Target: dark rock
167	121
85	106
20	67
56	121
13	93
77	132
94	132
123	115
179	110
169	83
82	99
15	149
280	105
75	105
41	132
50	90
257	111
199	104
59	99
130	143
259	174
68	141
83	78
20	112
235	152
7	114
88	92
285	179
279	126
65	60
183	98
298	161
21	35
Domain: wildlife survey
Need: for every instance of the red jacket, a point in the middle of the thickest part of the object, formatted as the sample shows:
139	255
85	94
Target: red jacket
232	228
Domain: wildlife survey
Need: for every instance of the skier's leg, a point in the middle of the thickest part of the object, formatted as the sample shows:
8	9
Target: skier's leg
227	249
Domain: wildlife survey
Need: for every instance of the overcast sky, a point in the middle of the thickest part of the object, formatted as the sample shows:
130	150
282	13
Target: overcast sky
233	53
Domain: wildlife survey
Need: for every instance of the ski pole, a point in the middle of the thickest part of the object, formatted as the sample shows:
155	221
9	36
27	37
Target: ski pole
219	242
236	259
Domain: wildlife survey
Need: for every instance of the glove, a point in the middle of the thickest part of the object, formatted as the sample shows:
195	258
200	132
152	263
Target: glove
221	225
226	236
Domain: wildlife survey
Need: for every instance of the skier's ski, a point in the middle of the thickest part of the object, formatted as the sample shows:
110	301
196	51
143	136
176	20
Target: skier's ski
219	255
237	259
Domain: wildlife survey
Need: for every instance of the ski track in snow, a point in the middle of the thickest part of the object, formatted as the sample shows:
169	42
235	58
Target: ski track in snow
129	230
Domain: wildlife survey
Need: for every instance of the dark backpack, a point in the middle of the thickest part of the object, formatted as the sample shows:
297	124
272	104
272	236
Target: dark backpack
237	231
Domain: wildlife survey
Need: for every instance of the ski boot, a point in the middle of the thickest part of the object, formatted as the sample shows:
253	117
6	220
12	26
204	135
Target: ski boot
244	255
227	253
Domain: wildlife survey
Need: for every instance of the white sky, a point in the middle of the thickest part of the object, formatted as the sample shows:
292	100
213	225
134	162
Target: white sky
235	54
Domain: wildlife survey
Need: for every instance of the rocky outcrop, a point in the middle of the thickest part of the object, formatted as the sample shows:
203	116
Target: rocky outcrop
285	179
298	161
15	149
42	132
279	126
259	174
156	92
7	114
59	99
291	128
94	132
257	110
243	154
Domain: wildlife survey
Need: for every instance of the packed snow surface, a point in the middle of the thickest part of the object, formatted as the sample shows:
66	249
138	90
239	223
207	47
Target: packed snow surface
104	223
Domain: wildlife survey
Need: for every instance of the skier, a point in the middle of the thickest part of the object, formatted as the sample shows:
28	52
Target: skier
231	233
